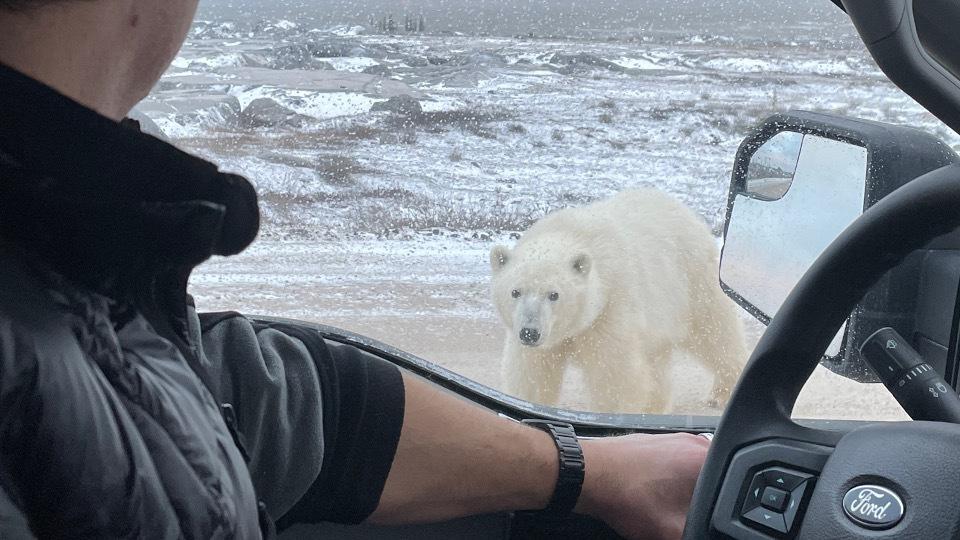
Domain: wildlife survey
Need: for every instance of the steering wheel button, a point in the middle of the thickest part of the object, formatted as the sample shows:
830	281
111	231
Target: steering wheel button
796	497
775	499
784	479
767	518
754	493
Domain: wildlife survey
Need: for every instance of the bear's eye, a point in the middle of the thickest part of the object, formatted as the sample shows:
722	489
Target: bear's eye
515	293
554	296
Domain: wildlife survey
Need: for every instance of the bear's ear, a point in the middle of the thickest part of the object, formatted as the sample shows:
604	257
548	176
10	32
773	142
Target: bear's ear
499	256
581	264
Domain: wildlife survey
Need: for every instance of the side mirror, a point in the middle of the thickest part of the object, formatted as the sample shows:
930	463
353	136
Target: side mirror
798	181
799	192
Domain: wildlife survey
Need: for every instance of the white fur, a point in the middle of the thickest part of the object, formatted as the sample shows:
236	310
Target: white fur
637	281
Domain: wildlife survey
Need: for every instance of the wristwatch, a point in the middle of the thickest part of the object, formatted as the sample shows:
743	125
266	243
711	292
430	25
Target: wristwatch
570	479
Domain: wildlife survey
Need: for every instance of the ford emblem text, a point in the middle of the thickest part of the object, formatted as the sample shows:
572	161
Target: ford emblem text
873	507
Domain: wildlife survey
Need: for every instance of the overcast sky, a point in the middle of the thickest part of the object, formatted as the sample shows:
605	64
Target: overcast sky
543	16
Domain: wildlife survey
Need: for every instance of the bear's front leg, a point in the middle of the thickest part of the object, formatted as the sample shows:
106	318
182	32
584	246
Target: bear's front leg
722	351
532	374
621	379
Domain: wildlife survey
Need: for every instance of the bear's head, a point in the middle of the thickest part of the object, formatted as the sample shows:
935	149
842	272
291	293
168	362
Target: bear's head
545	292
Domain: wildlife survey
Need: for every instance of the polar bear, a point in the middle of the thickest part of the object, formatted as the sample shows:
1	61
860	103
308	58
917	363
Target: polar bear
614	289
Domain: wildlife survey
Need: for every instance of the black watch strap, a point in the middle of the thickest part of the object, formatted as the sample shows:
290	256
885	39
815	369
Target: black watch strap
570	479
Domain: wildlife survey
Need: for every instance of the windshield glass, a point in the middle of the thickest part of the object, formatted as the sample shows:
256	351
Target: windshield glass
403	151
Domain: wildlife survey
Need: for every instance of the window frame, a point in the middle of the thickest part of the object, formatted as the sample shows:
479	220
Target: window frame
589	424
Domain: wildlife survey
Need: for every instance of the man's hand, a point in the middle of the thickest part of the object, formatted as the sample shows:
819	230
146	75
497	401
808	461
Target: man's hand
641	485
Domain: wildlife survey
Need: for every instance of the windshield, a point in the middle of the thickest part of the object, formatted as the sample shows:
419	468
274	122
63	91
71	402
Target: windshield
407	153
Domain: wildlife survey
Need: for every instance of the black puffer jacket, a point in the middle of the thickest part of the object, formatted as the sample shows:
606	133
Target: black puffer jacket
107	432
108	423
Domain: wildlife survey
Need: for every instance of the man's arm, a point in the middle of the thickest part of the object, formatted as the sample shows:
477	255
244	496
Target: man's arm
336	434
456	458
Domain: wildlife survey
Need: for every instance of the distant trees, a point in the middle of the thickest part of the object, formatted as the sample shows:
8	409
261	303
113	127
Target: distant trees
386	24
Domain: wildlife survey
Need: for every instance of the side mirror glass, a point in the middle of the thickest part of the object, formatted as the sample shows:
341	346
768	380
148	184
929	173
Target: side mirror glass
799	180
799	193
772	167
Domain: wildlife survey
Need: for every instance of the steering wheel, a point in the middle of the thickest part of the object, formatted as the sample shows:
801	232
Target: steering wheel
769	477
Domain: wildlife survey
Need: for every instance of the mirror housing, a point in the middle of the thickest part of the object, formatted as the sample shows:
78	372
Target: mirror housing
890	156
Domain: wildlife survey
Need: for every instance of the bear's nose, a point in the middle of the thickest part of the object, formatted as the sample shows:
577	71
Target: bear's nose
529	336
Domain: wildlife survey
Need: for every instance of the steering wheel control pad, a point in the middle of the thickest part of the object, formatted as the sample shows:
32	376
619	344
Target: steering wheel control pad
917	461
774	497
767	487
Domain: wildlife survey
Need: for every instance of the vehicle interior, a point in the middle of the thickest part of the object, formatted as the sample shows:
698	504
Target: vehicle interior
862	278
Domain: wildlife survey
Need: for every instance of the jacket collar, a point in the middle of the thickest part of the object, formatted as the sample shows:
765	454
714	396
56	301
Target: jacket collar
100	200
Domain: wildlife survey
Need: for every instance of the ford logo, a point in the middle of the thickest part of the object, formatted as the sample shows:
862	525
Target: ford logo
873	507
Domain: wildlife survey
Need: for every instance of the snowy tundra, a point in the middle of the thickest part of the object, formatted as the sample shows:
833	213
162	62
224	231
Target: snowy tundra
615	289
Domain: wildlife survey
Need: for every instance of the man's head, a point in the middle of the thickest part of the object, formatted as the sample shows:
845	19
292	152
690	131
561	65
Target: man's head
106	54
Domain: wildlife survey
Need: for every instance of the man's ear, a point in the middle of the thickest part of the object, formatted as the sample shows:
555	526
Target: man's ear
581	264
499	256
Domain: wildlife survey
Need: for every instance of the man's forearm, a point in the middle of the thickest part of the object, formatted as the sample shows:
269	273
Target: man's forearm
456	459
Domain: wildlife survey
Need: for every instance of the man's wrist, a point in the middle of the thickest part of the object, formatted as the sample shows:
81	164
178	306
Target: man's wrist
595	469
570	467
545	469
546	461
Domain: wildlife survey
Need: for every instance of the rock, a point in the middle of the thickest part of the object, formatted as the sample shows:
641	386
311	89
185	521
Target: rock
301	56
211	30
290	62
478	59
378	69
583	61
405	106
309	55
206	108
412	60
337	48
265	112
224	113
466	78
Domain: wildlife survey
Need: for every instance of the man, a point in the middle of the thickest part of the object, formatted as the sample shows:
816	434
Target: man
111	385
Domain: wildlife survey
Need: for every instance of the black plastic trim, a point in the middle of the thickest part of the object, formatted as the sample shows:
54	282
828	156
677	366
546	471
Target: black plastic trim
795	455
588	424
952	371
889	30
